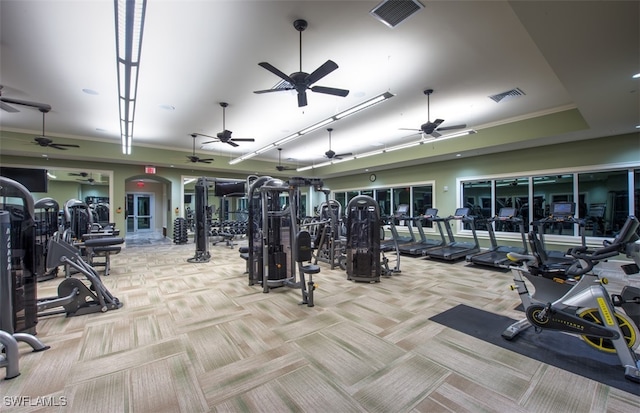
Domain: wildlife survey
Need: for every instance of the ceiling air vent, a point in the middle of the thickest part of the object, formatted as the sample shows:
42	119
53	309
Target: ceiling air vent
508	94
394	12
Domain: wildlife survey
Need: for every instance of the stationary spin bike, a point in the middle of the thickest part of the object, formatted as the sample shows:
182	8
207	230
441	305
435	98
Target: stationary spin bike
575	300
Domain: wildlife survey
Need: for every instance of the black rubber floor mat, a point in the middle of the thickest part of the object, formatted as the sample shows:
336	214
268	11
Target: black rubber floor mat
554	348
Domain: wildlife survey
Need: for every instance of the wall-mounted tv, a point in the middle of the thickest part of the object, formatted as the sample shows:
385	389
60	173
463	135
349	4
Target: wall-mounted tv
35	180
224	188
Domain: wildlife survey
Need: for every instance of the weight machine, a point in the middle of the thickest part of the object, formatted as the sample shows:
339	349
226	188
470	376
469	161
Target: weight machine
203	214
278	250
363	239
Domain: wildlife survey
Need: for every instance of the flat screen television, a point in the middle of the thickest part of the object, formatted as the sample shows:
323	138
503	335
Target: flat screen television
223	188
35	180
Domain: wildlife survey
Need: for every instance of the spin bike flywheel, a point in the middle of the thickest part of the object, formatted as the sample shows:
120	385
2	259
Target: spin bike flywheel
604	344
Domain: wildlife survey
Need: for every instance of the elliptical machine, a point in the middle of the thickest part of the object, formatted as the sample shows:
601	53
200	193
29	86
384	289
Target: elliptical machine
576	301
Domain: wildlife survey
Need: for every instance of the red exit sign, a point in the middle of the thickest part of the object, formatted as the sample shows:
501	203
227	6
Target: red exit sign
150	169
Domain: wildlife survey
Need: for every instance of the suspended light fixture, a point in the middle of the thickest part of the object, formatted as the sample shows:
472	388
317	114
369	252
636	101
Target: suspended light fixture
315	126
129	19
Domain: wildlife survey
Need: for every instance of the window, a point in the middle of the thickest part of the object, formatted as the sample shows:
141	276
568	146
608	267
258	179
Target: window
422	200
477	197
604	201
599	198
418	198
512	193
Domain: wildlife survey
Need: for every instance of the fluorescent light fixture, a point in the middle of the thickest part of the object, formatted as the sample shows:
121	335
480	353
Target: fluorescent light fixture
287	139
316	126
366	154
50	175
389	149
361	106
265	149
187	181
305	168
636	76
364	105
129	21
403	146
457	135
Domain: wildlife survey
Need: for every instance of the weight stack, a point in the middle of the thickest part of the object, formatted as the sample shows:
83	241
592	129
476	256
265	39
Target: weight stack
180	231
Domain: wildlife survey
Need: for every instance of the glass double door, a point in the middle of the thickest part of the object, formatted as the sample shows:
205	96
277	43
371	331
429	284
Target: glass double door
139	212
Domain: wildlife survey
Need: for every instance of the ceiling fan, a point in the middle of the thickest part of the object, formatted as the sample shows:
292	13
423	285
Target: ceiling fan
8	108
330	153
89	179
281	167
225	135
432	128
46	142
82	174
301	81
193	158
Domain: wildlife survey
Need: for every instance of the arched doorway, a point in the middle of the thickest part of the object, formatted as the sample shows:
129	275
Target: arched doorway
146	217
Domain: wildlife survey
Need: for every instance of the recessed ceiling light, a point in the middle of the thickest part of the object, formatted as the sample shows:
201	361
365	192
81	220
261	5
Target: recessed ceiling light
101	129
458	155
90	92
167	107
377	144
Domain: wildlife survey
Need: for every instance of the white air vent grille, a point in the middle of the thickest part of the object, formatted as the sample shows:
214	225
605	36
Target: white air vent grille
394	12
508	94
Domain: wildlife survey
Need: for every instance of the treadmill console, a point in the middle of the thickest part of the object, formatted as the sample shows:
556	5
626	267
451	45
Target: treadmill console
563	210
506	213
431	213
461	212
403	210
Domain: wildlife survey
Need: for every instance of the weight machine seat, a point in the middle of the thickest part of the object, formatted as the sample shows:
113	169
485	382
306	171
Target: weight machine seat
304	253
104	248
244	254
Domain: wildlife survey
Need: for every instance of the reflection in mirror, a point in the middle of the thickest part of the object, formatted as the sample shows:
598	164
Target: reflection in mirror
92	187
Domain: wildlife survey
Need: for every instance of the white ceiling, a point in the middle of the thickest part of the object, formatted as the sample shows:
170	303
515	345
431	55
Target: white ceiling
196	54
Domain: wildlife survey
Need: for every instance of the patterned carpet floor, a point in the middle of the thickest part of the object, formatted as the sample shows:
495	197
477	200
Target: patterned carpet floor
195	337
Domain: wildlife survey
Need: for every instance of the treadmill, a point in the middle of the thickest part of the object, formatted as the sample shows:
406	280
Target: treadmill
562	214
401	213
420	247
496	255
454	250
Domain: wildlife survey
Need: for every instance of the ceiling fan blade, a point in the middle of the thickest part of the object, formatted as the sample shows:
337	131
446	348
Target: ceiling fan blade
203	135
302	99
42	106
232	143
56	146
277	72
272	90
326	68
437	122
342	154
8	108
243	139
435	134
330	91
64	144
460	126
208	160
215	141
